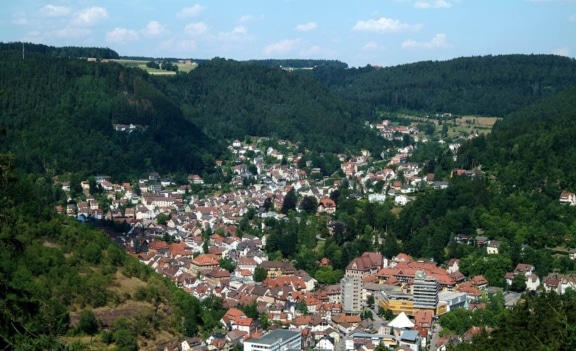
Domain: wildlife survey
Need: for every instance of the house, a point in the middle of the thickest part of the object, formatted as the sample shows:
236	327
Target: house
453	266
203	263
479	282
411	339
492	247
527	271
276	340
367	264
325	344
278	268
401	200
568	198
327	205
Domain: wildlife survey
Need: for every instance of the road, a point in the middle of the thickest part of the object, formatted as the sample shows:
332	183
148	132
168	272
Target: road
436	328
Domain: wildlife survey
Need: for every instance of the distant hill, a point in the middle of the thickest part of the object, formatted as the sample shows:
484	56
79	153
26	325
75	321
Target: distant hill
66	51
532	147
60	112
231	99
60	116
483	85
68	286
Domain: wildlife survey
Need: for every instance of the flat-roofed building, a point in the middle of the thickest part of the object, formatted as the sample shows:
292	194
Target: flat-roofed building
351	294
453	299
425	290
278	340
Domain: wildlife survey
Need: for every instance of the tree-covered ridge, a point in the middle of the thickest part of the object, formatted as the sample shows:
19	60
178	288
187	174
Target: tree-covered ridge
229	99
541	322
65	51
59	279
531	149
299	63
60	115
486	85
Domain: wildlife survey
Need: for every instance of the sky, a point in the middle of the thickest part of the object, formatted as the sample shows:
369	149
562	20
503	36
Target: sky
376	32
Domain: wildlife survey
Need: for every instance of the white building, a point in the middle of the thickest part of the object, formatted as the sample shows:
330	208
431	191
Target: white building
278	340
351	294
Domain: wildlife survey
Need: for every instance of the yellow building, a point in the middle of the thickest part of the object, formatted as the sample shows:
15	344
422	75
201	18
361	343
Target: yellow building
398	301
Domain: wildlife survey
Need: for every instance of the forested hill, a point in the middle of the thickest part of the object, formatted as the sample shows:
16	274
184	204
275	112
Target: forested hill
59	116
230	99
486	85
63	282
66	51
531	149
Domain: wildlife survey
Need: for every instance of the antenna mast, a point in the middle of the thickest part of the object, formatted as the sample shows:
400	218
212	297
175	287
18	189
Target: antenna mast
22	50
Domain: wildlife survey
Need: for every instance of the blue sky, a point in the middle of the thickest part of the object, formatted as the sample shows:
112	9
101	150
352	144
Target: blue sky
379	32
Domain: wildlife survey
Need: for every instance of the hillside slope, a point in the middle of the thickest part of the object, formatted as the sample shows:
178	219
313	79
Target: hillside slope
229	99
66	285
59	114
484	85
531	149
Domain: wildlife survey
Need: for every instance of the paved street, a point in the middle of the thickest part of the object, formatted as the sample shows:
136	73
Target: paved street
436	328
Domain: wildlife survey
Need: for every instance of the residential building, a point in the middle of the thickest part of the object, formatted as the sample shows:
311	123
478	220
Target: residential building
367	264
278	340
351	294
425	290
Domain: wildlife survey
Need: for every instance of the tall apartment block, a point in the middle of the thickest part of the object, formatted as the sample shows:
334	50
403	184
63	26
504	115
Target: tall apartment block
351	294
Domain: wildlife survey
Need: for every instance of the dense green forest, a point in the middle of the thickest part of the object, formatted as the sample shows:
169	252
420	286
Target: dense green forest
484	85
531	149
540	322
55	273
230	99
59	110
528	219
66	51
59	114
299	63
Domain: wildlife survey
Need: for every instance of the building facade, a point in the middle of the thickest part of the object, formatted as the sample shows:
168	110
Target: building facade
351	294
425	291
278	340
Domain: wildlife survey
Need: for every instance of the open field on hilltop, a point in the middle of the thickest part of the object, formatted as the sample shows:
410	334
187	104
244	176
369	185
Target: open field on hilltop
477	121
485	122
182	67
464	125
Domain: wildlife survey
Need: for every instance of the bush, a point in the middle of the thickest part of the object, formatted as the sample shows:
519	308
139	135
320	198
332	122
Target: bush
88	323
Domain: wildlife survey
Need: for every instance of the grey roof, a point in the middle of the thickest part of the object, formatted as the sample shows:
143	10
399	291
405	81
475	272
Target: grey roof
274	336
409	335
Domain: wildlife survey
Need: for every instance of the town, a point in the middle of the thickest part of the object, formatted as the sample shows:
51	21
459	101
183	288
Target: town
193	240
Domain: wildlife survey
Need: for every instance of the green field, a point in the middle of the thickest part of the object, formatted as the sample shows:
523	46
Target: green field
182	67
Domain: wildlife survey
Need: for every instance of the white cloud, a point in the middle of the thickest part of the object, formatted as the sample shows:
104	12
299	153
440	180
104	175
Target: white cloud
20	21
71	32
306	27
179	46
54	11
246	19
565	51
439	41
544	1
427	4
239	33
121	35
196	29
90	16
154	29
188	12
384	25
317	51
282	47
371	46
